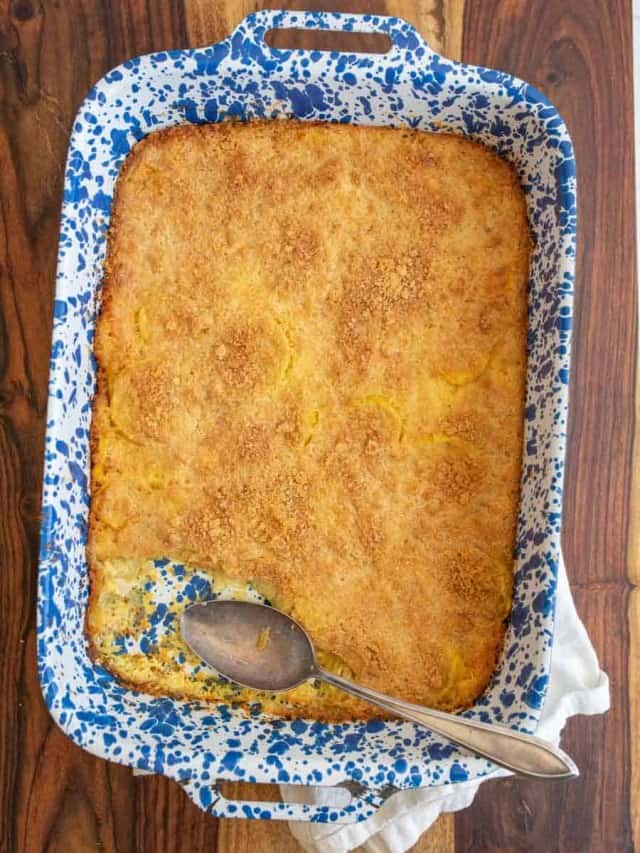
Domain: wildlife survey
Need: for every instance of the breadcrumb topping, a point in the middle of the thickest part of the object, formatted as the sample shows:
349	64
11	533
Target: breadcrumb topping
312	361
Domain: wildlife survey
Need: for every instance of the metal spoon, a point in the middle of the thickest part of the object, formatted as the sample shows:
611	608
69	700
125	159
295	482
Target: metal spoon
260	647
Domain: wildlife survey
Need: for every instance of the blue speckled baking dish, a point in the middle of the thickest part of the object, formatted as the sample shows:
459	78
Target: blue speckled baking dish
409	86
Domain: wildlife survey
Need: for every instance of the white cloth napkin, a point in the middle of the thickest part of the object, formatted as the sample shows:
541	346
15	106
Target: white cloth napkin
577	685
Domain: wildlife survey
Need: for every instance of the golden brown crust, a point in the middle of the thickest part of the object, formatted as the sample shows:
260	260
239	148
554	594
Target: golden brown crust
312	361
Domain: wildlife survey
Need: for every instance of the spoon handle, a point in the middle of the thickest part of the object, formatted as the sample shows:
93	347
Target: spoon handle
525	755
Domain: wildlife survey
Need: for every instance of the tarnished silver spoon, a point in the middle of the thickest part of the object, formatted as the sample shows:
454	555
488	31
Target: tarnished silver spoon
260	647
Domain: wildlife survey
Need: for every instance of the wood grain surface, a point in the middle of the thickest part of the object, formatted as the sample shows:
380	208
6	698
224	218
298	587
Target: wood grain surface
55	797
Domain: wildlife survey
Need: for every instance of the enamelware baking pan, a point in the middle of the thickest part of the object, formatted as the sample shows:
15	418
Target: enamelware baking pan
243	78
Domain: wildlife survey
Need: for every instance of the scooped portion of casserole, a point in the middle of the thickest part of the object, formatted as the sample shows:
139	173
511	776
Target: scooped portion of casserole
312	357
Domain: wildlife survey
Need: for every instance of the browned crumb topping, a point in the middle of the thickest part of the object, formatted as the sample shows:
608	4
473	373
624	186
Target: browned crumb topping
312	355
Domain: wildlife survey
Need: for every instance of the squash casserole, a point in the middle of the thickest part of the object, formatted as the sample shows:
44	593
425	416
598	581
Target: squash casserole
311	366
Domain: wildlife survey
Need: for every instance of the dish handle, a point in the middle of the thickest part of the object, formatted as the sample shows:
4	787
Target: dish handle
361	804
406	42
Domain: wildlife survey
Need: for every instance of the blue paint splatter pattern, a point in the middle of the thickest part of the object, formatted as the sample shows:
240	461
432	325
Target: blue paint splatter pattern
243	78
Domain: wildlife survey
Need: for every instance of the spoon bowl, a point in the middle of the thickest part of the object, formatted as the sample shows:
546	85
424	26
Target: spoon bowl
252	644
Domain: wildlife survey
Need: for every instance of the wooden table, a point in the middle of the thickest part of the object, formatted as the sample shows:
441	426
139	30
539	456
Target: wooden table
56	797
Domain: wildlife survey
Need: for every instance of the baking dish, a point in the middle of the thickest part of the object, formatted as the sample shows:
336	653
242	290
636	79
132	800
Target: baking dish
242	77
